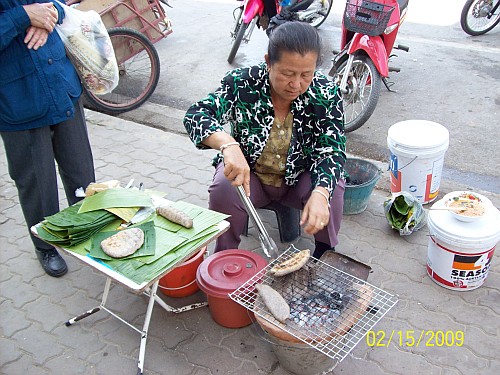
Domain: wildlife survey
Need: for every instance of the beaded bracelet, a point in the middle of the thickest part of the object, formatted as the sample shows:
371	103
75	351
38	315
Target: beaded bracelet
226	145
324	195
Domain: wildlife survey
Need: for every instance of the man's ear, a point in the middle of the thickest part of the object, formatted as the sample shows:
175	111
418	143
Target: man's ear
266	57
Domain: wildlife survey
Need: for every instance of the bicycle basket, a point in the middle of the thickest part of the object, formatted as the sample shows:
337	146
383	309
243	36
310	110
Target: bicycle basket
366	17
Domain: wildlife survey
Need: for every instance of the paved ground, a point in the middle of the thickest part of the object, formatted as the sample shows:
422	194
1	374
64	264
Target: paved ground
34	307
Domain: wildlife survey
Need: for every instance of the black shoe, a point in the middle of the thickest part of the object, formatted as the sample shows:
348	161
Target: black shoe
52	262
320	249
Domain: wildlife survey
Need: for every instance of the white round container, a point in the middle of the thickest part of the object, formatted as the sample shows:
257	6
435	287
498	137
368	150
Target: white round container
460	253
417	156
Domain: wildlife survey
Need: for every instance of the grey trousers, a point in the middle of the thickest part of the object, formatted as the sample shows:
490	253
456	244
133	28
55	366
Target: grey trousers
31	156
224	198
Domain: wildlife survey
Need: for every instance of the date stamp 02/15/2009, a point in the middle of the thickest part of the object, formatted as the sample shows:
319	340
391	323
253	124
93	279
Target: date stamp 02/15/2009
413	338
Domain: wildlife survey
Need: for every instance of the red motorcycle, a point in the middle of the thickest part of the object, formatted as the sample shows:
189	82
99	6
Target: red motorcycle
369	31
251	13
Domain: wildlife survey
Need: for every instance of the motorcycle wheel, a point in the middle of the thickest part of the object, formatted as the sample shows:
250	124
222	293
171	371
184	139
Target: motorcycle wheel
326	8
363	91
473	19
237	41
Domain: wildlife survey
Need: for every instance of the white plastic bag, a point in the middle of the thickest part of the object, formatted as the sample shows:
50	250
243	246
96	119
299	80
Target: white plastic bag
89	47
405	213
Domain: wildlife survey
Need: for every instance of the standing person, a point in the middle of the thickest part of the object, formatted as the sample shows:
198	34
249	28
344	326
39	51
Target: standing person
41	116
287	139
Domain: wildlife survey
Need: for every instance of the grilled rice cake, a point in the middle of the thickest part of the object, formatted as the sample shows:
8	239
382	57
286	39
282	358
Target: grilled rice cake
274	302
123	243
294	263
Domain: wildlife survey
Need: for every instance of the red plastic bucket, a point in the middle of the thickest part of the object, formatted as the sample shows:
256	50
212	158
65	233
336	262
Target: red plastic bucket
221	274
181	281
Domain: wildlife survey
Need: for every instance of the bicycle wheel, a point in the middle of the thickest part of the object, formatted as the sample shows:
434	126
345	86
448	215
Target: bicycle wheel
237	41
363	91
323	13
474	20
139	67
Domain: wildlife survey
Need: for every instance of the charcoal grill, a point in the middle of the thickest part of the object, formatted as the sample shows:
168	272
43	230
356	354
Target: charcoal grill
330	310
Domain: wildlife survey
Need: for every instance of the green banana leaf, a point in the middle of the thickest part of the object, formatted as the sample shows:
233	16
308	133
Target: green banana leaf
400	205
148	247
166	241
69	217
112	198
125	213
202	221
68	228
82	248
171	243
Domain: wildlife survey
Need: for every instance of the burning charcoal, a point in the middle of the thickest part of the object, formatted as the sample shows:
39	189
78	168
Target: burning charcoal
330	320
335	305
303	316
372	309
335	295
346	299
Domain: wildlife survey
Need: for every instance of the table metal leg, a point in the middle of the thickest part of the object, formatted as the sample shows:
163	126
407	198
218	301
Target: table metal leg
153	297
95	309
144	334
81	316
169	308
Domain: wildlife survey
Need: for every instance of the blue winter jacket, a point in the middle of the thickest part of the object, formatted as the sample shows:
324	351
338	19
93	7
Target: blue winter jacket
37	88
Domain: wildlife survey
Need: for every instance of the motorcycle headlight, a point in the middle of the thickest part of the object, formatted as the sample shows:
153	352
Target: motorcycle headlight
390	29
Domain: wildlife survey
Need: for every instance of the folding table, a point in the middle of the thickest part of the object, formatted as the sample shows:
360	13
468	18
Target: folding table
148	287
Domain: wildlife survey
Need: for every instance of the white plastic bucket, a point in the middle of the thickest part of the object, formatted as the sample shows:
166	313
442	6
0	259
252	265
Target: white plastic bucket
460	253
417	156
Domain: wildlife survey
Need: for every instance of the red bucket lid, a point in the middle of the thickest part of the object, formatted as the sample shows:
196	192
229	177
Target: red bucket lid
225	271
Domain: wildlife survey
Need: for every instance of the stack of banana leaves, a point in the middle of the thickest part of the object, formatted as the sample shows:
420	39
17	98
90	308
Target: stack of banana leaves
81	228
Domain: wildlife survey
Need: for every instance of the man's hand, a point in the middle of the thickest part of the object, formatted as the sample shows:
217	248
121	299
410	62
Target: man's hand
42	15
36	37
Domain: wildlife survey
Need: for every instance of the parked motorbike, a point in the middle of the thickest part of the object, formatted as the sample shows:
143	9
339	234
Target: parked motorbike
369	31
251	13
480	16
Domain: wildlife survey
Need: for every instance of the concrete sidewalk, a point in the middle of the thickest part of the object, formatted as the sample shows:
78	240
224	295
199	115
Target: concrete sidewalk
34	306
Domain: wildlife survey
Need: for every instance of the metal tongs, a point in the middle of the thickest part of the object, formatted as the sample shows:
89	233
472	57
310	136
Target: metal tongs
266	242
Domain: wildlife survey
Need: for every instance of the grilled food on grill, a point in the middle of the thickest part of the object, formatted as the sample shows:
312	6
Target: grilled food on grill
274	302
294	263
123	243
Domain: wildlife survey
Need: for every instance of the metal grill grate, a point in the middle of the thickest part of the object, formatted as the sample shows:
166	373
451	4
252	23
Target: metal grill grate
330	310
